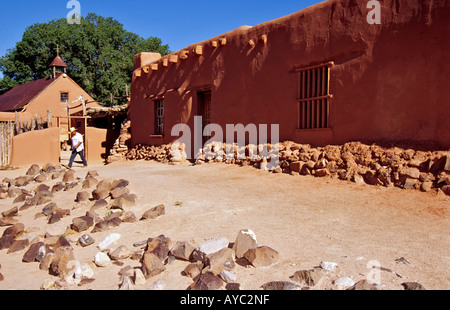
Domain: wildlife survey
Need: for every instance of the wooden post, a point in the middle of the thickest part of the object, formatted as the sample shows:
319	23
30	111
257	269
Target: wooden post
49	119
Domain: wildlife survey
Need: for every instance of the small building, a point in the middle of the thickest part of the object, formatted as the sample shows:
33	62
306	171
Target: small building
52	99
325	75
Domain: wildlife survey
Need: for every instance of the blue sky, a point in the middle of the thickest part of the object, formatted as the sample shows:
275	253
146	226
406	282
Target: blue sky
178	23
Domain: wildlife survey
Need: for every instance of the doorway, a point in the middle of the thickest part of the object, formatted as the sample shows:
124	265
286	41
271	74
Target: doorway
204	110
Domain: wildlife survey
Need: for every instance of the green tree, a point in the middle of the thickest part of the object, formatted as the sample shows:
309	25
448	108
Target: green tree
98	52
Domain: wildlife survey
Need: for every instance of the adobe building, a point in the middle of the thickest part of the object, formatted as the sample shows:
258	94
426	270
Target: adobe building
324	74
65	104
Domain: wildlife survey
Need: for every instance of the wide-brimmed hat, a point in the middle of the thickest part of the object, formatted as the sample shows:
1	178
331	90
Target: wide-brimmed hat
72	129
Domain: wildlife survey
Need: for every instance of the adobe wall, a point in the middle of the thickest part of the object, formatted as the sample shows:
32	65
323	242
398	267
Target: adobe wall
96	144
387	81
35	147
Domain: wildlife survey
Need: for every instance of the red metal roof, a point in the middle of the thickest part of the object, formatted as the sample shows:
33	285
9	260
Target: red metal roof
19	96
58	62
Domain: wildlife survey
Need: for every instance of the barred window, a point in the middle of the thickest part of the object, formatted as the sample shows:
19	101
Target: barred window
314	96
159	117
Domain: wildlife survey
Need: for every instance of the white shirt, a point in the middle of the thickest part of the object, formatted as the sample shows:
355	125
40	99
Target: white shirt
77	138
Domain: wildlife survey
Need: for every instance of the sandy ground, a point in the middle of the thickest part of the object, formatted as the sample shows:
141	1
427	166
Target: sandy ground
306	219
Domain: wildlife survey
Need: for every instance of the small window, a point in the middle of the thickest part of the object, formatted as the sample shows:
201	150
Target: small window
314	97
64	97
159	117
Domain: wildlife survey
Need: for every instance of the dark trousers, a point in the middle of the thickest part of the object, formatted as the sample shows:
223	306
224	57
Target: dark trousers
74	154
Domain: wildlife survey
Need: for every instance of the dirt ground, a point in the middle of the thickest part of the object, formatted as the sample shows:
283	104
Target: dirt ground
306	219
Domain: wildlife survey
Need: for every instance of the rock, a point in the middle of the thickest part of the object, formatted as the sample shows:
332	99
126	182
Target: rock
58	187
207	281
91	173
14	230
157	286
33	170
124	202
129	217
151	265
127	284
119	191
261	256
426	186
104	185
410	183
6	241
220	260
154	212
310	277
4	193
119	183
363	285
296	166
245	240
89	182
227	276
106	224
413	286
62	263
42	252
21	181
108	241
69	176
442	164
194	269
31	253
209	247
232	286
411	173
99	194
18	245
100	203
446	189
82	223
321	173
49	209
344	282
54	218
159	246
7	221
102	259
61	242
85	240
82	196
328	266
138	277
42	177
280	286
182	250
321	164
121	252
11	212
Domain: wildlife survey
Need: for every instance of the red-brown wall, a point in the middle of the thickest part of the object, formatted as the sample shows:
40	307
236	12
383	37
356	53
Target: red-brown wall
389	81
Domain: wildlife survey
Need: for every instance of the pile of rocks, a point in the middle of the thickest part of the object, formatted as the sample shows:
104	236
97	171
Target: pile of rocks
353	161
120	146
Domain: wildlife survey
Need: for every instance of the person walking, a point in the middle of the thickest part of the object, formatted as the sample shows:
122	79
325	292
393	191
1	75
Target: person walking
77	147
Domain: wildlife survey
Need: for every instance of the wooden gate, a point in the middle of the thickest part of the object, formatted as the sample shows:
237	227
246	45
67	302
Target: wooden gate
6	134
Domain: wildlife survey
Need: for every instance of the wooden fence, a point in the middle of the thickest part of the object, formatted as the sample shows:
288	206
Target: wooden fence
10	129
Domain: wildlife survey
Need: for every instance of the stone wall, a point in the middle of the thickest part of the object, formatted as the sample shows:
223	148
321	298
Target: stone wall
354	161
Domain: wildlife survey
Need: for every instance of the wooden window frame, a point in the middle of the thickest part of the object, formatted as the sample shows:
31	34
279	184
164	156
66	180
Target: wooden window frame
314	97
60	97
159	117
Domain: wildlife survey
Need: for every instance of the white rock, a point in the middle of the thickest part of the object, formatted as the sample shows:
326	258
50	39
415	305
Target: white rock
245	240
158	286
102	259
108	241
328	266
344	282
209	247
228	276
